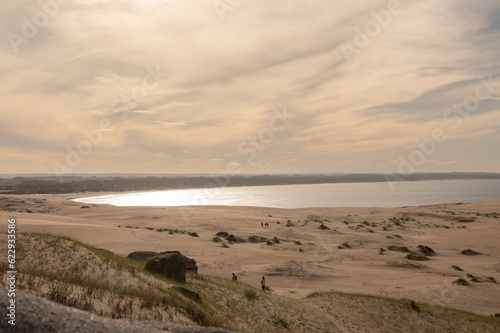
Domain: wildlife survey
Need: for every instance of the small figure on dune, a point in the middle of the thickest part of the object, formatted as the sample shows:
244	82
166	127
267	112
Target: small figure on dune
234	277
263	283
262	224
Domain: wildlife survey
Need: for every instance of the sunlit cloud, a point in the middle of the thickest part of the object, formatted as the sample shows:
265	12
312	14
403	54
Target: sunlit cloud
91	62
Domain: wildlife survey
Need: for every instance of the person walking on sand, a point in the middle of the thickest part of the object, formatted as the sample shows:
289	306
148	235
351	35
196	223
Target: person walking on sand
263	283
234	277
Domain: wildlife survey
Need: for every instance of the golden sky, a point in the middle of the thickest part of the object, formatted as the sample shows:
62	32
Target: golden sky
250	86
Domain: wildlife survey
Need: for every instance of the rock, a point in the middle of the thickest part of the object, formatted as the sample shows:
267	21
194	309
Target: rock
190	263
416	256
169	265
36	314
426	250
145	255
324	227
398	248
142	255
470	252
346	245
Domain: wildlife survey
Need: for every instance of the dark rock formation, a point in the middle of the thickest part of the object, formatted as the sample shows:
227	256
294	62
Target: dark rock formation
470	252
145	255
426	250
169	265
398	248
142	255
190	263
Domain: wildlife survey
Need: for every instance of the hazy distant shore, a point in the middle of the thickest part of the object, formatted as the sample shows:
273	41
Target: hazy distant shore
46	184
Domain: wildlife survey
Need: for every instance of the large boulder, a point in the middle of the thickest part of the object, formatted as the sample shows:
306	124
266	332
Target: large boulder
145	255
142	255
169	265
190	263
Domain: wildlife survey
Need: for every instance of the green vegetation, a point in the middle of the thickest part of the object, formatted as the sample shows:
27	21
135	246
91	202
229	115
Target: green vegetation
250	294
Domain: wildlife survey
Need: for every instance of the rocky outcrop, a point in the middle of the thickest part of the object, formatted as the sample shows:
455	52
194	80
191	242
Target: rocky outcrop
169	265
36	314
145	255
398	248
427	251
190	263
470	252
142	255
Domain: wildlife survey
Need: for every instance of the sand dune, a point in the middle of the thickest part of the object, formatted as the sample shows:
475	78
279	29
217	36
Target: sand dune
298	255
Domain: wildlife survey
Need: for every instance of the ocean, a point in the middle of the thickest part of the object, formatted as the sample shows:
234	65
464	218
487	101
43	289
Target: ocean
382	194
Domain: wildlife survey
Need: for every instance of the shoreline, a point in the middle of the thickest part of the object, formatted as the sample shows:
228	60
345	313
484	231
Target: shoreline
316	196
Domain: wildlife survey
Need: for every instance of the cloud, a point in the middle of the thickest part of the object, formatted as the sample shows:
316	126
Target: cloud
225	78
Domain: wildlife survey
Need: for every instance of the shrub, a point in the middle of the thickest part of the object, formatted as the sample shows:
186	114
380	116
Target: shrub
193	234
217	239
281	322
250	294
222	234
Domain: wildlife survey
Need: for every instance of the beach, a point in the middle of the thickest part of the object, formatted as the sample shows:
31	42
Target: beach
301	251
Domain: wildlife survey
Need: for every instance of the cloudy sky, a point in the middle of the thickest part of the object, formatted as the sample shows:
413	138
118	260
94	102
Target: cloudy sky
251	86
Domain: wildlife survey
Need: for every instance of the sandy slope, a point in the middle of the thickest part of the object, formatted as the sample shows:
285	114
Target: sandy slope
316	263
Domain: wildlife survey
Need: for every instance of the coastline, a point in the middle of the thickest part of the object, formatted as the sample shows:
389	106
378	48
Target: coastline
398	194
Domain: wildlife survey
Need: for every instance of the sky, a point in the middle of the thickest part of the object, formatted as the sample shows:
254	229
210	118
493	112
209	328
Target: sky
240	86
